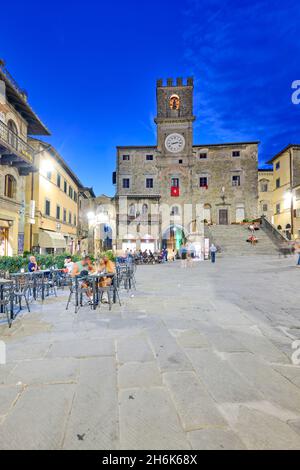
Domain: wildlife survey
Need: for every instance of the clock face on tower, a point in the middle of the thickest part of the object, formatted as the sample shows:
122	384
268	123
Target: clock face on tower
175	143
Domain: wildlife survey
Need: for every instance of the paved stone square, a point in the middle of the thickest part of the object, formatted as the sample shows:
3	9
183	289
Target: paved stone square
196	358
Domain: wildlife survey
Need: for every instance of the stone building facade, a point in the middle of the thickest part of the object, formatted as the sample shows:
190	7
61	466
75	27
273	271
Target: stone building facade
164	193
265	193
17	160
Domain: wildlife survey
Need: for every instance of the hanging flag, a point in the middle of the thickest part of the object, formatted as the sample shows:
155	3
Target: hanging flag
175	191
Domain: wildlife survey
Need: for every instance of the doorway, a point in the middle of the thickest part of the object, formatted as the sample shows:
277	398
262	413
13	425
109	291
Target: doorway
174	238
223	216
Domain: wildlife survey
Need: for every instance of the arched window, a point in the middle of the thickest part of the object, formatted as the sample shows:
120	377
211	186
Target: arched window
174	102
132	210
175	211
12	133
145	209
10	186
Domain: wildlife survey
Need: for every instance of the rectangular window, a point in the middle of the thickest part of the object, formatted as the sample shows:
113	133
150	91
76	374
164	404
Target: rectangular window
278	208
236	153
236	180
71	192
126	158
175	182
203	182
47	207
58	212
203	155
58	180
264	187
149	158
75	196
49	175
265	207
75	220
278	183
126	183
65	216
65	187
278	166
149	183
70	218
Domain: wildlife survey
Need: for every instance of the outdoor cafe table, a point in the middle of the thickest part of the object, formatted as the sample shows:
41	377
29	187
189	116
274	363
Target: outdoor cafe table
3	283
36	275
95	279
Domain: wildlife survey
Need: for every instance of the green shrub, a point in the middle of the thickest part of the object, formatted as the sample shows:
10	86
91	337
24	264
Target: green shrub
13	264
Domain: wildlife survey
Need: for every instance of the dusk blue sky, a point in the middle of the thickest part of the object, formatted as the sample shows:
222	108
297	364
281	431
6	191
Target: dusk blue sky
90	69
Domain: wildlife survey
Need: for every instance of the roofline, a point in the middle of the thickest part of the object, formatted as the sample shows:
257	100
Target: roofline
90	190
21	97
265	169
288	147
60	160
128	147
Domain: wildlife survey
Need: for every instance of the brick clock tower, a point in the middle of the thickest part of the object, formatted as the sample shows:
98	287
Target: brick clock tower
175	138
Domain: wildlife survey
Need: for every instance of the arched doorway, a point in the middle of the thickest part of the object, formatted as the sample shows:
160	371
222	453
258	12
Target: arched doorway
173	238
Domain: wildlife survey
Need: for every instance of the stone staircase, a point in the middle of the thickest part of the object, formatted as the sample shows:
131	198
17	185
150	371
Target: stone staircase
232	240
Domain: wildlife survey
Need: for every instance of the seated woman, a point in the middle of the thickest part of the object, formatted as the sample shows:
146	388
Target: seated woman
107	266
32	265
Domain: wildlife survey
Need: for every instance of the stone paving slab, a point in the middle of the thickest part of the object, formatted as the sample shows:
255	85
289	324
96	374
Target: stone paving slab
8	395
38	419
271	385
139	374
195	407
264	432
215	439
169	355
148	420
93	421
220	379
82	348
134	349
44	371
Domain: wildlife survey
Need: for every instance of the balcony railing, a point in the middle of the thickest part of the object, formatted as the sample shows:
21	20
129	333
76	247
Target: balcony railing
15	144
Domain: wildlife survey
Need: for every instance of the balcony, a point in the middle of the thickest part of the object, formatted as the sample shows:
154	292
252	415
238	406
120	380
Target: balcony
15	151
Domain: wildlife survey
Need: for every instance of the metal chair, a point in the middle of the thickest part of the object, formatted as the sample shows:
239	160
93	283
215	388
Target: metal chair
6	303
21	289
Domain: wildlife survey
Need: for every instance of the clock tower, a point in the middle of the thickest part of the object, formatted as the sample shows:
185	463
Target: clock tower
175	120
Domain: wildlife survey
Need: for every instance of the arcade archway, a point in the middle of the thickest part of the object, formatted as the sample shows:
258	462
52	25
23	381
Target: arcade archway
173	238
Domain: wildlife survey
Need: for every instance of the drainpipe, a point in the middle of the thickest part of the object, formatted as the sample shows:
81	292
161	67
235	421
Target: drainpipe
291	189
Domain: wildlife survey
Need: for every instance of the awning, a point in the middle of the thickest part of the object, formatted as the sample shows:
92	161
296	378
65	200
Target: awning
51	240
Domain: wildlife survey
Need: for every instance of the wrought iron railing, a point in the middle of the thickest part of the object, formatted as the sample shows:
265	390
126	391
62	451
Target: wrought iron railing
11	79
15	142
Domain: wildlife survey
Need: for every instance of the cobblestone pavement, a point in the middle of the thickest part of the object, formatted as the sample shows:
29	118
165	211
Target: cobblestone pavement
196	358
